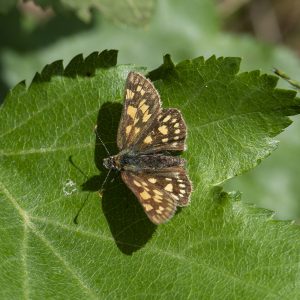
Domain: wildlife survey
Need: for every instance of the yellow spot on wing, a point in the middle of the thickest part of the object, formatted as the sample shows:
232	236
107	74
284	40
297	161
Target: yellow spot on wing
137	183
152	180
163	129
144	107
129	94
142	102
148	139
169	187
131	111
146	117
139	88
177	131
157	192
167	118
175	197
148	207
165	140
136	130
176	125
128	129
173	120
157	199
145	195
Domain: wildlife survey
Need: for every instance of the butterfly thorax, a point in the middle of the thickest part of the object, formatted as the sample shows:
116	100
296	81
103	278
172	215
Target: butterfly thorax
131	161
112	162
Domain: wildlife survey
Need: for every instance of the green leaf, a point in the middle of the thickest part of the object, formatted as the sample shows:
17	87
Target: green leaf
134	12
7	5
51	164
188	30
235	117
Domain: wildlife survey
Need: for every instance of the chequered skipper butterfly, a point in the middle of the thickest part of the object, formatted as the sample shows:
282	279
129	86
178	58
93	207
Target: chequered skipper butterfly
146	131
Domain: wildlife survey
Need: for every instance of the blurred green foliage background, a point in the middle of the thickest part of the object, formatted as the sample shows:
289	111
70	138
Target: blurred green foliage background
264	33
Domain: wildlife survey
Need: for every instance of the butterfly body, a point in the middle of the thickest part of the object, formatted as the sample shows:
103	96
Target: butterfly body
134	162
147	133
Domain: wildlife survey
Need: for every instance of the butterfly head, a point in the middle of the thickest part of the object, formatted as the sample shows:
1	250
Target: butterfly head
112	162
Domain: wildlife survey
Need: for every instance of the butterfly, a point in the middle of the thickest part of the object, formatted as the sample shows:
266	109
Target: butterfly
146	133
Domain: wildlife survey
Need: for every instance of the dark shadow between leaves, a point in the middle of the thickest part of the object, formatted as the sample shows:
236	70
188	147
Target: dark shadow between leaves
127	221
17	38
43	34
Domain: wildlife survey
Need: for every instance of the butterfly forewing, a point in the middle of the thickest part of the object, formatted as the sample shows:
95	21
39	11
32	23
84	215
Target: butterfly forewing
141	107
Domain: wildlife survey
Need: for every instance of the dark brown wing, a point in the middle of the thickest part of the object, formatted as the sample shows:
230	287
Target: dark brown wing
167	132
141	107
144	126
160	192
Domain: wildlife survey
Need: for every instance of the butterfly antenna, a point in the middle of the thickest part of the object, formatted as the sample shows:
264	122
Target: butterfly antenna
104	181
98	136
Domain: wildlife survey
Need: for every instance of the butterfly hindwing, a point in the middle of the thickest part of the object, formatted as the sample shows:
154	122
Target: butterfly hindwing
141	107
181	184
157	203
160	192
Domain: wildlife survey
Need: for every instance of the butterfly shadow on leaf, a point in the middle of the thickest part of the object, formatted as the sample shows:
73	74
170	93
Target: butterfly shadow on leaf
127	221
